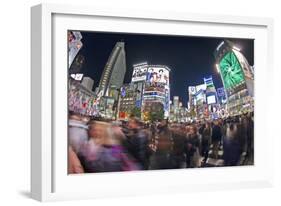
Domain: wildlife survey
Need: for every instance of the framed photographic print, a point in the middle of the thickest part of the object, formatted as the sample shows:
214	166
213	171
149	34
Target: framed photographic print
138	102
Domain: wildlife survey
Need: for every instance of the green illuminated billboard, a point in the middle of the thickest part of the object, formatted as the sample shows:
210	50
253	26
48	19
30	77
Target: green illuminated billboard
231	71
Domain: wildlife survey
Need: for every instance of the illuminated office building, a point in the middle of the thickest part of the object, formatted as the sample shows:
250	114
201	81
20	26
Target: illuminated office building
156	95
152	89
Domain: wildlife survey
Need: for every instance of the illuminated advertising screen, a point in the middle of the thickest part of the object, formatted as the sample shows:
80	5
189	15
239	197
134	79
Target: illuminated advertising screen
244	63
211	99
200	96
157	75
231	71
192	90
77	77
160	87
200	87
123	92
139	74
138	103
210	87
154	93
209	81
221	92
157	88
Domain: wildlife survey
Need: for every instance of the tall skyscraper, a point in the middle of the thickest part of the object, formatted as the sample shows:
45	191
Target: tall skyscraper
114	70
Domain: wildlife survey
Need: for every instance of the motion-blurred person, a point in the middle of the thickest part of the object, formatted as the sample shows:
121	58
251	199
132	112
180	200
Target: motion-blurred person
137	143
243	136
179	138
103	152
216	138
77	131
192	148
232	146
206	141
118	132
74	164
163	125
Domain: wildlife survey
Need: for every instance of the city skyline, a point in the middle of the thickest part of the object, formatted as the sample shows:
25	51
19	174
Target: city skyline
189	58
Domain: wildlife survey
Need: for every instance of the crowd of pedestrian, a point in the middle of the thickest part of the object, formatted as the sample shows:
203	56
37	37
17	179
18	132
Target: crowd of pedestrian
96	145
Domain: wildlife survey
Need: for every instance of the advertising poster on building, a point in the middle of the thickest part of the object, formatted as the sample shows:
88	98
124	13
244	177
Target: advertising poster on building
192	90
157	75
211	99
139	74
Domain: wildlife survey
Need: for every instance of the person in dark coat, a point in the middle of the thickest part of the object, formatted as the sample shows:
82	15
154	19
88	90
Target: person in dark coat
216	138
206	141
192	148
163	158
179	138
137	143
232	146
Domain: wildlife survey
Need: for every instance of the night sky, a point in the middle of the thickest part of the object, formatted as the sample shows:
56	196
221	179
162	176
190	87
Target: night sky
189	58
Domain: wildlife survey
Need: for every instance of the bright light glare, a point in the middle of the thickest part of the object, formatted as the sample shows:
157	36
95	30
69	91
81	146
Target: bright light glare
236	48
218	68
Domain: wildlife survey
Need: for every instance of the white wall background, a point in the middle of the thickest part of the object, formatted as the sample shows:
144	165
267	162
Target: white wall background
15	100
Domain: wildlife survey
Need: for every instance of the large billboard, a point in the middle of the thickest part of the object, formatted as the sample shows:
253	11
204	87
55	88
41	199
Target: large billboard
200	96
210	87
211	99
157	88
160	87
139	74
157	75
200	87
192	90
221	92
231	71
221	95
248	72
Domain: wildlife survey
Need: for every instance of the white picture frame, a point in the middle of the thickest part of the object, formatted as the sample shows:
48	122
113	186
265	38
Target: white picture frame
49	179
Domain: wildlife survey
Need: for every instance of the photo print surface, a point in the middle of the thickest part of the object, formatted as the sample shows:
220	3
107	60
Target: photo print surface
155	102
